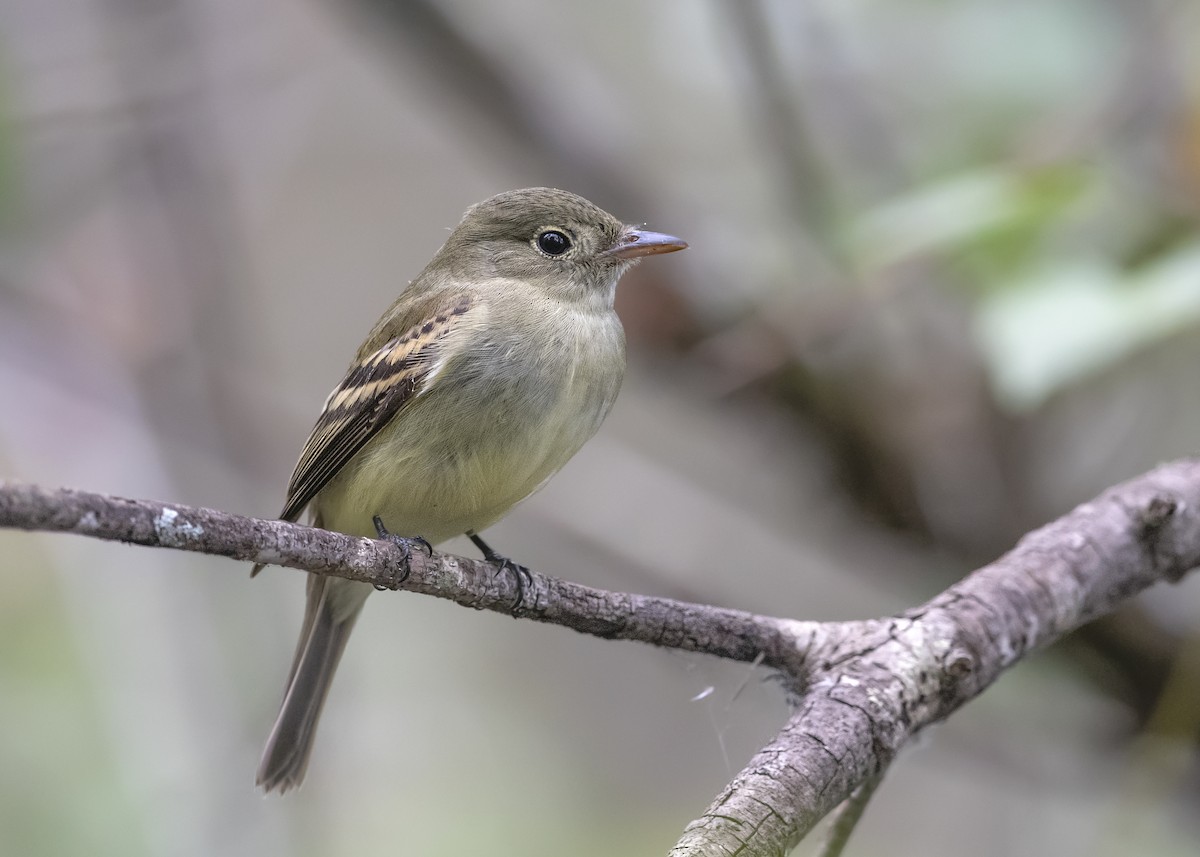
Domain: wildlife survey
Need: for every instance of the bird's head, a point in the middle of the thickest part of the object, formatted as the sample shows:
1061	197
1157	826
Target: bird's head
568	246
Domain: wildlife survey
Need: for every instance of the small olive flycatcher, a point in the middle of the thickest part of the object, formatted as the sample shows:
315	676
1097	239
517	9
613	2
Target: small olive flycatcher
487	374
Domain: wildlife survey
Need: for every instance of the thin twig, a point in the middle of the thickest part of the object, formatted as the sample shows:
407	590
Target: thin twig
846	816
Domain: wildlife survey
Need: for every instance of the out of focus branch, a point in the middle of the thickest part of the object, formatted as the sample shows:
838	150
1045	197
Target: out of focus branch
781	119
862	688
486	82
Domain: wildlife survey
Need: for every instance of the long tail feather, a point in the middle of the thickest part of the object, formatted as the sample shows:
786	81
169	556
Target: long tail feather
333	606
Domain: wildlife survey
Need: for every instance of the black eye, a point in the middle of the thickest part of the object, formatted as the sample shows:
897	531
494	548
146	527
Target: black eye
553	243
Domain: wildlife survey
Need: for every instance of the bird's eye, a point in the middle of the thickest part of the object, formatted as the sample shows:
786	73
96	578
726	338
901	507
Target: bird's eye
553	243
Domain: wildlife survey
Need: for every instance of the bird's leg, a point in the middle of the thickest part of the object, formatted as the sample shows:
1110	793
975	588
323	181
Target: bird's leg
406	545
521	573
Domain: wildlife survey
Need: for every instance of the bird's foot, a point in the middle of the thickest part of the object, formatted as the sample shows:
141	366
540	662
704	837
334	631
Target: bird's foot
520	573
406	545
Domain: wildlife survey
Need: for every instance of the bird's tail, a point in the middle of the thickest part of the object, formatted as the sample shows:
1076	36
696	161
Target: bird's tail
329	616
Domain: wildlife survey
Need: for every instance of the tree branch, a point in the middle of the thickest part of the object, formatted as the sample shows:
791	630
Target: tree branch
732	634
873	685
862	688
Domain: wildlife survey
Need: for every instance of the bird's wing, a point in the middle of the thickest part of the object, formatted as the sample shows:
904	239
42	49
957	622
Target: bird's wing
374	391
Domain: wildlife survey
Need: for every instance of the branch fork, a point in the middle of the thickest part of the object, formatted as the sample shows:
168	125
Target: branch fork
862	689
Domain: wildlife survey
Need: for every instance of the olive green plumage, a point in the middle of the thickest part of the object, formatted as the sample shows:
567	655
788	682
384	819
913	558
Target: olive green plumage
486	375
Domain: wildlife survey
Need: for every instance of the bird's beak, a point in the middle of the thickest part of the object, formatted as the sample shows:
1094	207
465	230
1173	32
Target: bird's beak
641	242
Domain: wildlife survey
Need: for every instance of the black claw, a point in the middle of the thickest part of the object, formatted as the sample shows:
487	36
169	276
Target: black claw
420	540
405	545
522	575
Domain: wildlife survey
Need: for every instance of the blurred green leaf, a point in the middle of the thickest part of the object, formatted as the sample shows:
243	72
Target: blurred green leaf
990	219
1068	320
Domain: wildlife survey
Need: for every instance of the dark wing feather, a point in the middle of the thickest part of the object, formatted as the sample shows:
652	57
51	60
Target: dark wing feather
343	429
375	389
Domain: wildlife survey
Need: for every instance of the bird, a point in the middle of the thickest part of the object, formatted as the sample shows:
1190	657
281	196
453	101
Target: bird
484	377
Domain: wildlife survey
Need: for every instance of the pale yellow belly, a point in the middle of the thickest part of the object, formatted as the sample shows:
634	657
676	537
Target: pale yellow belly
439	478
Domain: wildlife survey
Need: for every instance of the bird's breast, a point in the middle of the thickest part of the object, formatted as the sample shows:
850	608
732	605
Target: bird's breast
495	424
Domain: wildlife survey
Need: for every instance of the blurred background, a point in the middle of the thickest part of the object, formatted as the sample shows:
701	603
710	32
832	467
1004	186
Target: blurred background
944	284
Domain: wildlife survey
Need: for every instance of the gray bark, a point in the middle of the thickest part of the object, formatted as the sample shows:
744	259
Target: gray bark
862	689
